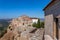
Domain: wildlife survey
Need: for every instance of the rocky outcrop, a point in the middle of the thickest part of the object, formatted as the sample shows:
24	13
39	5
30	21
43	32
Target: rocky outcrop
47	37
25	35
38	35
21	29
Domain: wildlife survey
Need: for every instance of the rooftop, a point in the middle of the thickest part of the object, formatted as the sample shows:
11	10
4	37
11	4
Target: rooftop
48	4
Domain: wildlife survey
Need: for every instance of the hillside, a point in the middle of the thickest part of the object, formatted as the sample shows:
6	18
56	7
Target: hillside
42	19
3	25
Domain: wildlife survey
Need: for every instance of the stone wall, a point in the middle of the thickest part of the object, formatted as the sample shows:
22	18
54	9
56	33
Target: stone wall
51	12
49	25
54	8
21	22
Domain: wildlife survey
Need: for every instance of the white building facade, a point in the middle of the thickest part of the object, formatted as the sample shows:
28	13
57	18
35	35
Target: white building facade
34	20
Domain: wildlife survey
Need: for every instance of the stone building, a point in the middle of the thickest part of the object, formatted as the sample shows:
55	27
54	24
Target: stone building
22	22
34	20
22	29
18	25
52	19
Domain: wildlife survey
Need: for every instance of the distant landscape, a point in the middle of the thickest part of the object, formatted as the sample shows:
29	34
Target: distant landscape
4	23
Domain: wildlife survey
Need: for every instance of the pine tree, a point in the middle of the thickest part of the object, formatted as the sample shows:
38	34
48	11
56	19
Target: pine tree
42	24
38	24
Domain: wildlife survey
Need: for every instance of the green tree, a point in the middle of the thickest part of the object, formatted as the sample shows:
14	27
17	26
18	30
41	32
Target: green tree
37	25
34	25
42	24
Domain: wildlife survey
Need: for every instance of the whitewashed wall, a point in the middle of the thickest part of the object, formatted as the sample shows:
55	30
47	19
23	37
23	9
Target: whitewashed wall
34	20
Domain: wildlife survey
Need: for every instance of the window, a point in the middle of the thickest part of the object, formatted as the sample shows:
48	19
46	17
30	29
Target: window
23	23
10	28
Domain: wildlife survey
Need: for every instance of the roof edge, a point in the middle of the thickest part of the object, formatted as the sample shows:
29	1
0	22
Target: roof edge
48	4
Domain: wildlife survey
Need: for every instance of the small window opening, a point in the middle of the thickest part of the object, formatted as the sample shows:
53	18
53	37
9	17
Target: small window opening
11	29
23	23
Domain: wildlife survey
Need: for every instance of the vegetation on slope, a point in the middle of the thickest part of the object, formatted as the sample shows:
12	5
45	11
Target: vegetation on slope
3	27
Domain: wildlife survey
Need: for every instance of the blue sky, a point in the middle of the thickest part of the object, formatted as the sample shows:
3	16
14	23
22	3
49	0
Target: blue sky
16	8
